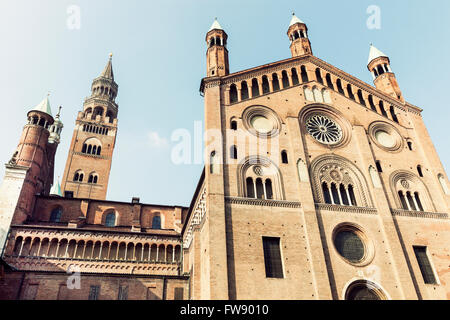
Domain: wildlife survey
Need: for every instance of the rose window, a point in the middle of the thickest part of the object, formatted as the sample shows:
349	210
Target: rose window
324	129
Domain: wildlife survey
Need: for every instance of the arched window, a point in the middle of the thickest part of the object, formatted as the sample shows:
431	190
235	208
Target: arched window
412	193
250	188
339	86
110	220
403	200
294	76
361	98
411	201
93	178
233	125
78	176
156	222
372	105
380	69
378	164
99	150
319	76
284	157
326	193
393	115
55	215
443	183
419	170
269	192
213	163
304	74
335	194
419	203
350	92
329	82
410	145
275	82
343	193
259	178
352	195
233	94
255	88
364	290
259	189
338	181
84	149
244	90
265	85
285	79
233	152
89	149
110	115
94	150
383	111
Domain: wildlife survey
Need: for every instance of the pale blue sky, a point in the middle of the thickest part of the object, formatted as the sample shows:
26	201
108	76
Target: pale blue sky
159	60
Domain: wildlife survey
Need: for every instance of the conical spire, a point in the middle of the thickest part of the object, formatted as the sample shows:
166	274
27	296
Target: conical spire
56	189
108	71
215	25
375	53
295	20
44	106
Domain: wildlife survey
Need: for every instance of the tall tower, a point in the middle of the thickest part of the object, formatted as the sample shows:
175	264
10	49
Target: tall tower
384	79
298	36
89	160
217	53
30	170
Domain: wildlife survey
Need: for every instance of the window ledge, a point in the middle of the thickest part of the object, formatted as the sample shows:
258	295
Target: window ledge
419	214
340	208
262	202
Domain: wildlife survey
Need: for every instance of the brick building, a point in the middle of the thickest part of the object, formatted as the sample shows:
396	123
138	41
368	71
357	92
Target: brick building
317	185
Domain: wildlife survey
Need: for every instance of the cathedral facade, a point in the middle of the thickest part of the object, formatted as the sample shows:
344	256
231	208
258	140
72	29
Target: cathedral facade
316	185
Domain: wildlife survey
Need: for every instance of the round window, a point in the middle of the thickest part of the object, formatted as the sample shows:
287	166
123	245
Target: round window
386	136
261	124
363	290
349	245
324	129
385	139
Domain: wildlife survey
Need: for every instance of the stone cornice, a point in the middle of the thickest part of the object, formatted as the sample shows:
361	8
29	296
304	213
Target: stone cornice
349	209
419	214
90	155
263	203
101	102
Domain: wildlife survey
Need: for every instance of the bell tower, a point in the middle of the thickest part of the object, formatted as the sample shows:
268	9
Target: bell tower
90	155
29	172
384	79
298	36
217	53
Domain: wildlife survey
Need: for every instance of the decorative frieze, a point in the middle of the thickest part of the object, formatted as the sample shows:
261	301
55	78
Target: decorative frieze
197	217
263	202
419	214
349	209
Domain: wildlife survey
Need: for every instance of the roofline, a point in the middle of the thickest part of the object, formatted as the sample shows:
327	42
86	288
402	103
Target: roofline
194	198
356	81
62	228
110	201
